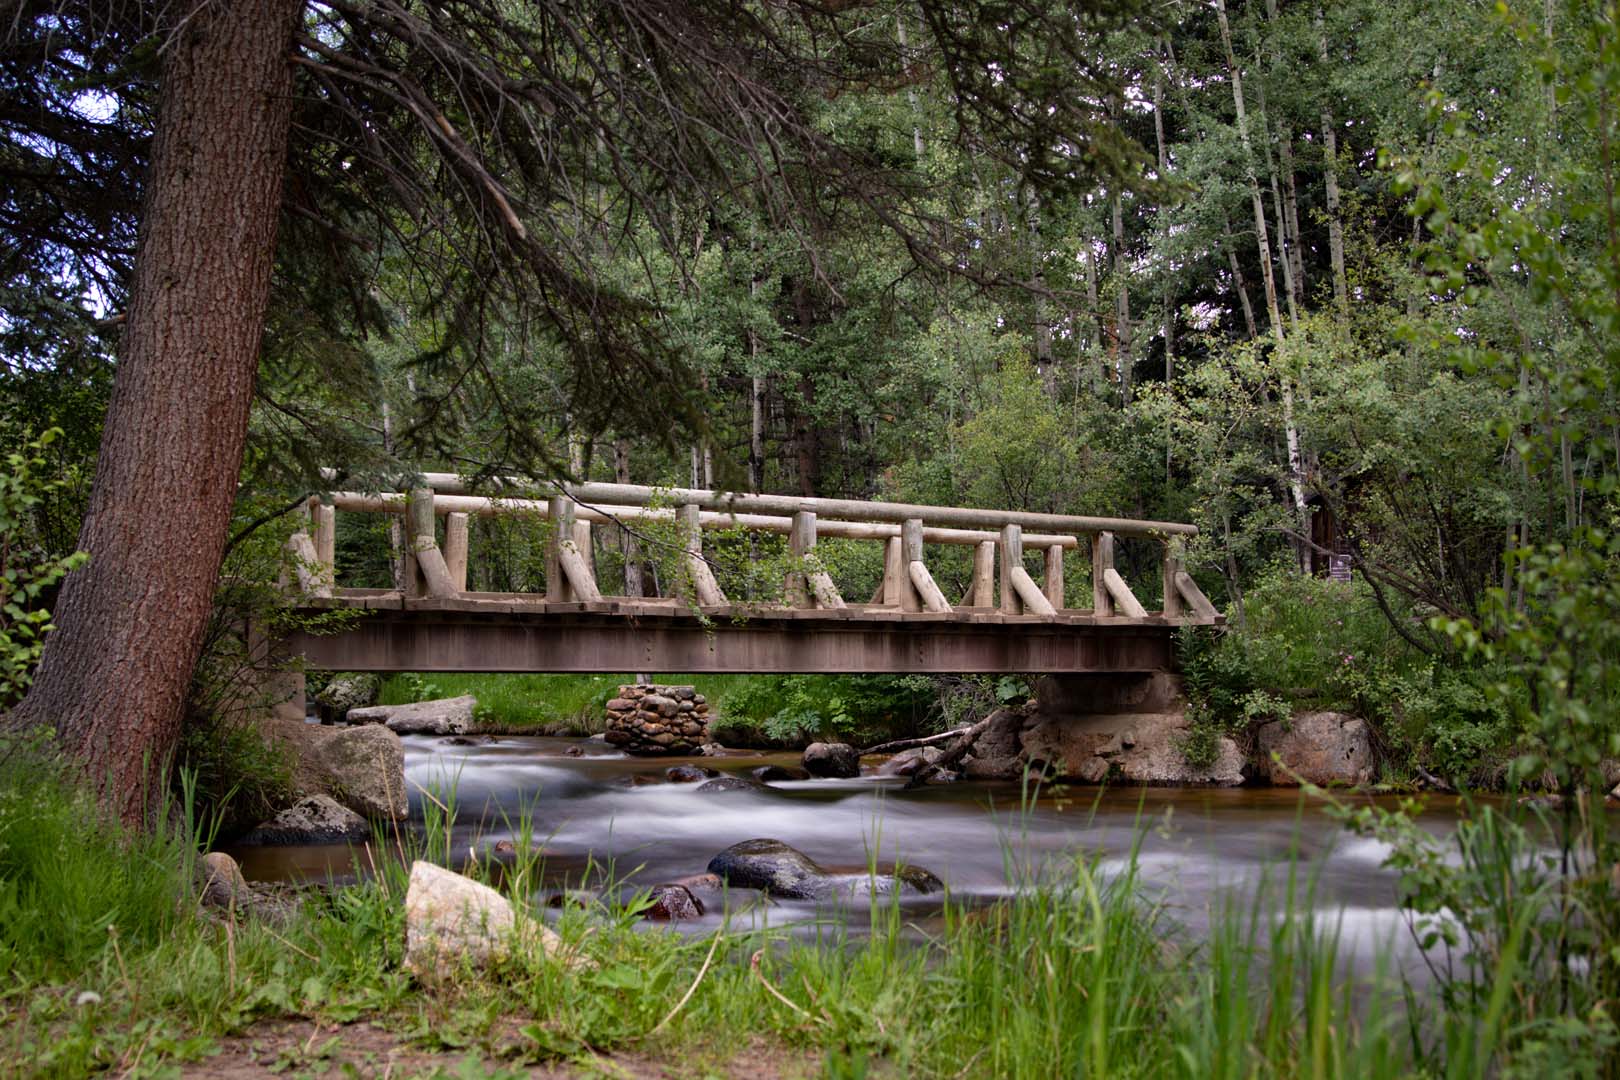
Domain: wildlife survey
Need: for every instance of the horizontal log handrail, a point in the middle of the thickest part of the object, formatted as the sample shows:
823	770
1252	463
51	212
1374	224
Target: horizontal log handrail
908	585
853	509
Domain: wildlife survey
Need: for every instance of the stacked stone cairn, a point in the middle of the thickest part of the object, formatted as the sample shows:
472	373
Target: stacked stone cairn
655	720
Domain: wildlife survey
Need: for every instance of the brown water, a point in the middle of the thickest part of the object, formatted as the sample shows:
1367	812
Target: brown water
1194	847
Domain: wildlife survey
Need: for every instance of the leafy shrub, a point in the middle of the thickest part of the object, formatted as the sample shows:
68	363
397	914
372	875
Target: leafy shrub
28	574
793	709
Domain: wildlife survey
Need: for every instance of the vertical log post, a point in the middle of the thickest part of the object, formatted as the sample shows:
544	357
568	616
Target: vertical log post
1012	554
562	528
455	549
1102	561
984	575
323	527
697	583
430	576
1054	577
418	529
911	550
801	542
894	572
1171	566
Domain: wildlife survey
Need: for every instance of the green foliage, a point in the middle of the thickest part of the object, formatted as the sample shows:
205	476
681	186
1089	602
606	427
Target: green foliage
28	574
1523	946
795	709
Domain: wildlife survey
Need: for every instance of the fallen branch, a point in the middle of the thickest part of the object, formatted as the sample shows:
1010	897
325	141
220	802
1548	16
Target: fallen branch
950	757
907	744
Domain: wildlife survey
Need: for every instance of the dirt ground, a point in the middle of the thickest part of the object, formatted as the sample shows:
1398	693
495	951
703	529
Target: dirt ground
303	1048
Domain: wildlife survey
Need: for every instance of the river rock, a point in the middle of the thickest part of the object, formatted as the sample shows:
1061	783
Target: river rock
345	691
835	760
907	762
1139	748
365	769
773	867
772	774
444	716
672	903
789	874
997	753
727	783
451	920
316	819
687	774
657	720
223	885
1326	748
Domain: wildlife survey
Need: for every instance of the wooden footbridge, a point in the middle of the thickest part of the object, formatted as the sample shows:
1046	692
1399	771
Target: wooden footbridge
1008	622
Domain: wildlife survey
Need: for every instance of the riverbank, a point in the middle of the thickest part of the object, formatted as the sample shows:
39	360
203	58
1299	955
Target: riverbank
109	960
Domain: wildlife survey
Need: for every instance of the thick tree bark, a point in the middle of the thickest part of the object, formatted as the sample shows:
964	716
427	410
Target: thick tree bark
130	624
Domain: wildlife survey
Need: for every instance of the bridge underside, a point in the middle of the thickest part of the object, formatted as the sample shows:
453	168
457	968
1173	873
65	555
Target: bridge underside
504	634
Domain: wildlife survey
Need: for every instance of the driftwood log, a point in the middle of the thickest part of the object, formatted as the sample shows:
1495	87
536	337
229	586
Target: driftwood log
952	756
908	744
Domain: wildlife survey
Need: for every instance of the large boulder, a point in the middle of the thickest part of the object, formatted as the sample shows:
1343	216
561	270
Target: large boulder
444	716
453	921
1324	748
1139	748
347	690
365	769
835	760
361	767
316	819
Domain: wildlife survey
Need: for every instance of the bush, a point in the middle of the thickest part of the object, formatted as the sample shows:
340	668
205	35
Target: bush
796	709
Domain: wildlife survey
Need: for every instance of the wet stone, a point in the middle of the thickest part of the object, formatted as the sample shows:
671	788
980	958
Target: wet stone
687	774
727	783
771	774
672	903
834	760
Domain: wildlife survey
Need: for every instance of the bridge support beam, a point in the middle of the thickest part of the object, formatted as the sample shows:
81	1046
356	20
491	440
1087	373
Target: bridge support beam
457	635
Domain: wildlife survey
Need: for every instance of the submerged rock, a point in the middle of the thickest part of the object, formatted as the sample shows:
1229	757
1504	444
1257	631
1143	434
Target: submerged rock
444	716
313	820
451	920
727	783
833	760
672	903
789	874
1325	748
771	774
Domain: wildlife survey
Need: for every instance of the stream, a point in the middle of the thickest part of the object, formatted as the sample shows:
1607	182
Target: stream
602	816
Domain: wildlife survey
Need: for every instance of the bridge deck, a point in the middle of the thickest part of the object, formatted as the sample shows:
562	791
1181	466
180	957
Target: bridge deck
523	633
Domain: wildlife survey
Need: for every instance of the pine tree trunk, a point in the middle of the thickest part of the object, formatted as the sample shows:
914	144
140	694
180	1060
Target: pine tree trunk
114	676
1122	305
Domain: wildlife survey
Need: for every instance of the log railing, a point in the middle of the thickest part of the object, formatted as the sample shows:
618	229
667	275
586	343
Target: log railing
998	537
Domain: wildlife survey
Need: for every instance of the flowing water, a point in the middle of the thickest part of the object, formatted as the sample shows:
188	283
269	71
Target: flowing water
602	817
